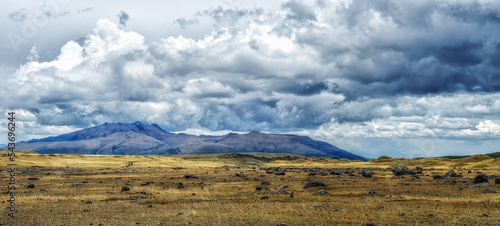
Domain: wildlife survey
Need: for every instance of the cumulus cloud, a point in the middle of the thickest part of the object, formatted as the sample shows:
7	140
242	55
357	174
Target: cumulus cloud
33	56
359	74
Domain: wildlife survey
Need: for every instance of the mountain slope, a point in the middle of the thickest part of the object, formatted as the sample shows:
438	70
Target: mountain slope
140	139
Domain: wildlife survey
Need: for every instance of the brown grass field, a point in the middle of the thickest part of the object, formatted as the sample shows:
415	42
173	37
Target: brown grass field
87	190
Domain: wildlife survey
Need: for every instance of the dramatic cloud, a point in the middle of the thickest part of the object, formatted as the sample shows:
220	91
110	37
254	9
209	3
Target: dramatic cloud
401	78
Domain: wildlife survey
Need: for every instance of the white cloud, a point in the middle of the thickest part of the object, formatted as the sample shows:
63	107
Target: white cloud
488	128
205	88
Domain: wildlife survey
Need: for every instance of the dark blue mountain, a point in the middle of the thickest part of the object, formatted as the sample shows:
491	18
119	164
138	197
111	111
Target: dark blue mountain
140	139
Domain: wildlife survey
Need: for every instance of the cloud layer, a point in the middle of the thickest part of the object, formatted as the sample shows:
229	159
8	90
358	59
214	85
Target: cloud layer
336	70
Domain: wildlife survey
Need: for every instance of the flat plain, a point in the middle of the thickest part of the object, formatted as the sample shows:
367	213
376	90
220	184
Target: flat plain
249	189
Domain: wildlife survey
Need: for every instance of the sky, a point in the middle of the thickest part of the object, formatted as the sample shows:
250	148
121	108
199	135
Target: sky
398	78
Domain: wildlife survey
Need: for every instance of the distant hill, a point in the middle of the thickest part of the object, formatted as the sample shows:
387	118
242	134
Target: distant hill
491	155
141	139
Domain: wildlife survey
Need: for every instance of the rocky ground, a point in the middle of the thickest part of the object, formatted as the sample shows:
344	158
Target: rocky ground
254	195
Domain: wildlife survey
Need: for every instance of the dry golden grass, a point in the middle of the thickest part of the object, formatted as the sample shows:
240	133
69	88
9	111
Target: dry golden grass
89	190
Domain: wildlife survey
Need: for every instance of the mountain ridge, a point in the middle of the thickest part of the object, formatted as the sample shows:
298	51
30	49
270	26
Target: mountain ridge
141	139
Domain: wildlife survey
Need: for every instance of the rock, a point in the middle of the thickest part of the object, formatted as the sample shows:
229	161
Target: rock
33	178
321	192
239	175
147	183
314	184
337	172
258	188
484	184
451	173
438	177
292	195
466	180
265	197
480	178
280	173
180	186
401	169
419	170
487	190
497	181
125	188
56	201
30	185
149	206
282	186
374	193
367	173
265	183
469	171
283	192
401	213
190	176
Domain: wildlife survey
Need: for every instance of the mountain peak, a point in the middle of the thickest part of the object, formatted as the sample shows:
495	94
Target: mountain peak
138	138
105	130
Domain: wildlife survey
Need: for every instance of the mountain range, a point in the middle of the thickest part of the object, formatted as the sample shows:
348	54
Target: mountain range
142	139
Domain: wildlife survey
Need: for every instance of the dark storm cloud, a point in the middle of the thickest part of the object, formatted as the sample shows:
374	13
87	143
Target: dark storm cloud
383	57
123	17
472	12
299	11
304	88
494	59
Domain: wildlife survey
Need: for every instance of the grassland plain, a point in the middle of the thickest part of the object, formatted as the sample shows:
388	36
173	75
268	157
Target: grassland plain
247	189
